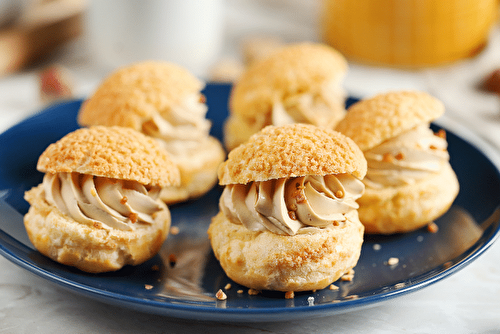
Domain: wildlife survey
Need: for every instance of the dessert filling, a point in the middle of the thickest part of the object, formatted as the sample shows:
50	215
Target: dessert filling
292	205
406	158
181	128
324	107
100	201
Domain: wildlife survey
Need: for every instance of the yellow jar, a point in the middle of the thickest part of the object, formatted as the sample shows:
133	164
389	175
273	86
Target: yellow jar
408	33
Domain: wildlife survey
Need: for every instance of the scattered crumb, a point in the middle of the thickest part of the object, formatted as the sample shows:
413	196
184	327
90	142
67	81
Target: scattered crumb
253	292
447	265
289	295
333	287
348	276
352	297
228	286
392	261
220	295
432	227
155	267
240	291
377	247
335	301
148	286
174	230
399	285
310	301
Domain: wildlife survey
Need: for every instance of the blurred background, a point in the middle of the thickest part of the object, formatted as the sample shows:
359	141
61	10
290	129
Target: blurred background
56	49
53	50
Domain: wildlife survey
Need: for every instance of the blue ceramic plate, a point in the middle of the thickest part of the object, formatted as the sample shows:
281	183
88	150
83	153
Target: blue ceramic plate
187	289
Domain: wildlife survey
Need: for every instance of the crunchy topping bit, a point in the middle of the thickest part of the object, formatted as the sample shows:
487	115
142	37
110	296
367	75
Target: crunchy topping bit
392	261
388	157
174	230
172	259
333	287
289	295
339	194
299	196
124	200
220	295
432	227
93	192
253	292
133	217
97	225
148	286
228	286
292	215
293	207
441	133
400	156
335	223
239	291
203	99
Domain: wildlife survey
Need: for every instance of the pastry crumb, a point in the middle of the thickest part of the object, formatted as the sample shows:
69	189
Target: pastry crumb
432	227
377	247
348	276
239	291
392	261
148	286
220	295
253	292
228	286
174	230
289	295
333	287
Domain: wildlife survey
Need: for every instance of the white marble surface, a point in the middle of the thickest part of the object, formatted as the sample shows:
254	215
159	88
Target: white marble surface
465	302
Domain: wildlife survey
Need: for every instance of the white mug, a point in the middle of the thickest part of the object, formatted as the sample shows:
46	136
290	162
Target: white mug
186	32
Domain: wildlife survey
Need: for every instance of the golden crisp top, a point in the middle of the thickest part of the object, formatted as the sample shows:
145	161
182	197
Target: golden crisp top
371	121
289	151
291	70
113	152
131	95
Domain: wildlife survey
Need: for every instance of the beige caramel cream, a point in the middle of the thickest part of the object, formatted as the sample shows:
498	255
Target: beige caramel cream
110	203
406	158
181	128
290	206
311	107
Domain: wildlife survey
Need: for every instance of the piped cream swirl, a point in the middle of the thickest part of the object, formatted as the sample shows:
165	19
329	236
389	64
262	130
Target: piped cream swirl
100	201
406	158
183	127
321	108
290	206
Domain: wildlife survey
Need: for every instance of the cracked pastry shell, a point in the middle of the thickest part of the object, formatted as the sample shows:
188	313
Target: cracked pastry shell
264	260
112	152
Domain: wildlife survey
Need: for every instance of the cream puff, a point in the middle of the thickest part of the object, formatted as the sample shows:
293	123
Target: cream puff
164	101
98	206
297	83
409	181
288	216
